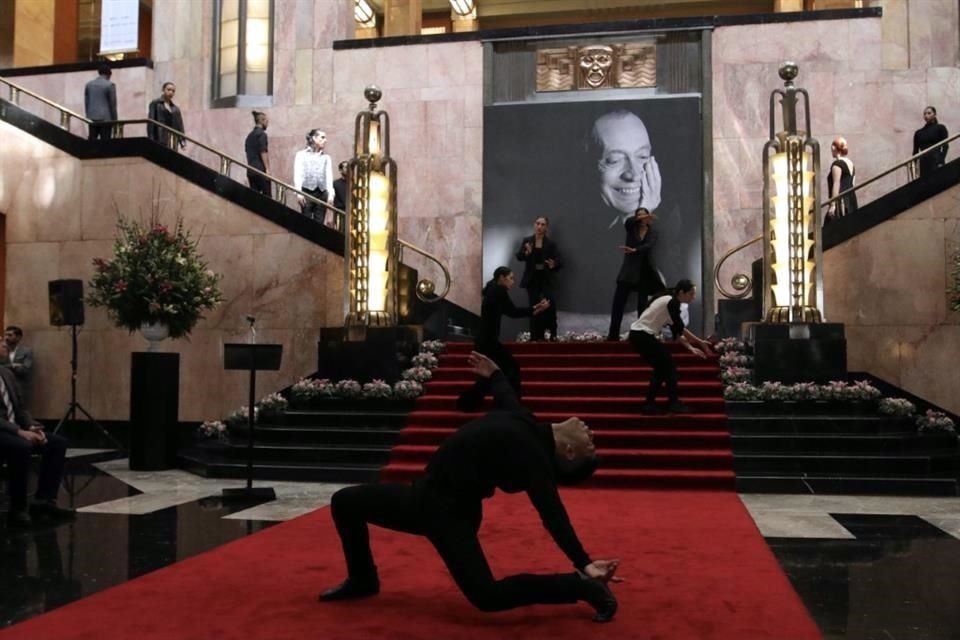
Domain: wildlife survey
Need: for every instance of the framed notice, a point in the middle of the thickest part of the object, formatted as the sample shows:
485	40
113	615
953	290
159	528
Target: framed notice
119	26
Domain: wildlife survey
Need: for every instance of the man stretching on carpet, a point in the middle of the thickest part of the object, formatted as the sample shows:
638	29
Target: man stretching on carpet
643	337
506	449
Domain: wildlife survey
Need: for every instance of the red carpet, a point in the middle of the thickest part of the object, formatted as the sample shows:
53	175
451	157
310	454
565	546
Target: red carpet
696	569
604	384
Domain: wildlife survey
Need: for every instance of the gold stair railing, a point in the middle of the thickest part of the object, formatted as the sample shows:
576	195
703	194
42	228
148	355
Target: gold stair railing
741	282
225	163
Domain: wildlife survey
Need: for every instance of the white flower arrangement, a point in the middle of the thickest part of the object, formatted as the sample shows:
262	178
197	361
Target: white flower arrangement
420	374
735	359
426	360
582	336
802	391
775	391
741	391
731	375
435	347
523	336
730	345
377	389
213	429
348	389
407	389
240	416
934	422
272	405
896	407
861	390
305	390
834	390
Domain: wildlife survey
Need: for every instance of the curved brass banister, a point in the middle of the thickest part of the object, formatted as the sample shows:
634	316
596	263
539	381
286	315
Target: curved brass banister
740	281
426	287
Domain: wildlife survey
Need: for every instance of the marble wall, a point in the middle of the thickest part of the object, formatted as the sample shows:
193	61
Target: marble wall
889	287
869	80
61	213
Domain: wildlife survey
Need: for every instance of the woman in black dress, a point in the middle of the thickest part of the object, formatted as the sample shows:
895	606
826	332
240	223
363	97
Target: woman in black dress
931	133
540	258
840	179
637	272
165	112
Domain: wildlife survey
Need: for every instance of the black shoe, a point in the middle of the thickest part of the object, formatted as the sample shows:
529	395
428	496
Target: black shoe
680	407
351	589
599	596
19	519
648	409
48	510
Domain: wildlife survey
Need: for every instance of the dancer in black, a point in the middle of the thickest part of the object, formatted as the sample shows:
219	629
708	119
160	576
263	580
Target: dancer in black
644	338
506	449
541	258
637	273
497	303
927	136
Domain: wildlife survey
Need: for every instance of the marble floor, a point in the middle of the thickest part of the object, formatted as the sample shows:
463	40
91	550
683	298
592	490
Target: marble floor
866	567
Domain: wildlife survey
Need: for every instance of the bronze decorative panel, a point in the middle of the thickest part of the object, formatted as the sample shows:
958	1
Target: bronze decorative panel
597	66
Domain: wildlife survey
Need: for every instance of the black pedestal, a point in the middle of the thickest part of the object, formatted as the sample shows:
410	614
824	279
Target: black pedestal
384	354
799	352
154	410
731	314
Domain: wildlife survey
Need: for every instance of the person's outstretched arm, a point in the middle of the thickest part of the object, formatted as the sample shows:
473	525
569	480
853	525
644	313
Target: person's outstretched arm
546	500
504	398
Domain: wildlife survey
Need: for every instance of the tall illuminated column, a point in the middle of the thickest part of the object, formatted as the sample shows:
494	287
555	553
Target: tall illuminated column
792	247
371	258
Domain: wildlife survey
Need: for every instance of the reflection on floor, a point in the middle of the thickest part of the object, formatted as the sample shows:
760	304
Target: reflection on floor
866	567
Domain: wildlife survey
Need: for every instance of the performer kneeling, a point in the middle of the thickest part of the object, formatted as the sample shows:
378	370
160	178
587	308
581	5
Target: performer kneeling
643	337
506	449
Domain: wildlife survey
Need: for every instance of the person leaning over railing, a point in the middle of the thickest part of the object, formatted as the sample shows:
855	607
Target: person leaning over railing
927	136
164	111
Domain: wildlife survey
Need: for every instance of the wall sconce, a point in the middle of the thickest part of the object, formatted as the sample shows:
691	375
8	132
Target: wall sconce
792	247
371	258
465	8
363	13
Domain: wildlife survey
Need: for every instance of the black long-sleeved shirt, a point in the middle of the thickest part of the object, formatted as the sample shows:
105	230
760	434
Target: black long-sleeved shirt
506	449
497	303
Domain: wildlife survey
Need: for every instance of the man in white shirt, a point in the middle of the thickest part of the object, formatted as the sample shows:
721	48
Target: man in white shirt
643	336
313	174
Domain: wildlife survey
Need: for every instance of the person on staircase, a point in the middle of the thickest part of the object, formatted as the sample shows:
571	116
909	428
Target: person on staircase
506	449
930	134
164	111
496	303
313	174
541	258
257	148
637	272
643	338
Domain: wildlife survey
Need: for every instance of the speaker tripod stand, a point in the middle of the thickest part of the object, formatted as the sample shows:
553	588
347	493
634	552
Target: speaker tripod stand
75	406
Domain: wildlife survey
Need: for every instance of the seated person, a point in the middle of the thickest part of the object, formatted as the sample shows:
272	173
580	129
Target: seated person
20	437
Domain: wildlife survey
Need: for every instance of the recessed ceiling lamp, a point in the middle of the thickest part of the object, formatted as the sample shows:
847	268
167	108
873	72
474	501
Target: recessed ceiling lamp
463	7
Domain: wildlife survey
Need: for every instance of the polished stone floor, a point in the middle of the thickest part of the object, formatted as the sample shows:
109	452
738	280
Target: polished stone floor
866	567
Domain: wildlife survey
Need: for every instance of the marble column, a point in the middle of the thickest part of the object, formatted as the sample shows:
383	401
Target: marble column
402	17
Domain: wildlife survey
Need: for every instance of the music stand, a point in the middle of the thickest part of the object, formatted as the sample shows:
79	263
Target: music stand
252	358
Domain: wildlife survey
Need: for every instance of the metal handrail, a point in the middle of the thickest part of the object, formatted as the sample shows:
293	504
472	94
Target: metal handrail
426	287
225	161
910	163
740	281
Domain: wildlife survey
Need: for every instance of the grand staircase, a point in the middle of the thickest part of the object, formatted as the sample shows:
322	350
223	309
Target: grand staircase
603	383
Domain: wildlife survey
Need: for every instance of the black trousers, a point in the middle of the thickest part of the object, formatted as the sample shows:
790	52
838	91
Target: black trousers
100	131
313	210
664	368
452	529
259	183
620	297
472	398
17	451
546	321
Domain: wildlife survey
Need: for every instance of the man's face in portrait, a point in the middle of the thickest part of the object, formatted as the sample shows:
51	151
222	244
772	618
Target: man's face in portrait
625	152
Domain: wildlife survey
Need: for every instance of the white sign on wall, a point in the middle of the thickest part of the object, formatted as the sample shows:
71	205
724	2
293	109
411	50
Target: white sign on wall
119	25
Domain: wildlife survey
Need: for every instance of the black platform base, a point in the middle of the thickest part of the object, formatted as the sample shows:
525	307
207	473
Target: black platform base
799	352
245	493
384	354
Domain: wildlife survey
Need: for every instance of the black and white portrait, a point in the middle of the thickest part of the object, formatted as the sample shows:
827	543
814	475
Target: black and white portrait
588	166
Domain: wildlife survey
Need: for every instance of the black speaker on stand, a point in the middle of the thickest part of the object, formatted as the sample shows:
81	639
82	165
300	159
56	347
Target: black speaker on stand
66	309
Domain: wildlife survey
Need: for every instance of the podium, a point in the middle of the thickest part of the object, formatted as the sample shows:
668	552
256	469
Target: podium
252	358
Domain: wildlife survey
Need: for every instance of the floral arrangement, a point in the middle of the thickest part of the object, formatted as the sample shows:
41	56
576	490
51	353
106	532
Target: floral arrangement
934	422
896	407
736	374
741	391
582	336
523	336
735	359
425	360
420	374
860	391
407	389
377	389
155	276
272	405
730	345
239	417
433	346
350	389
213	429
